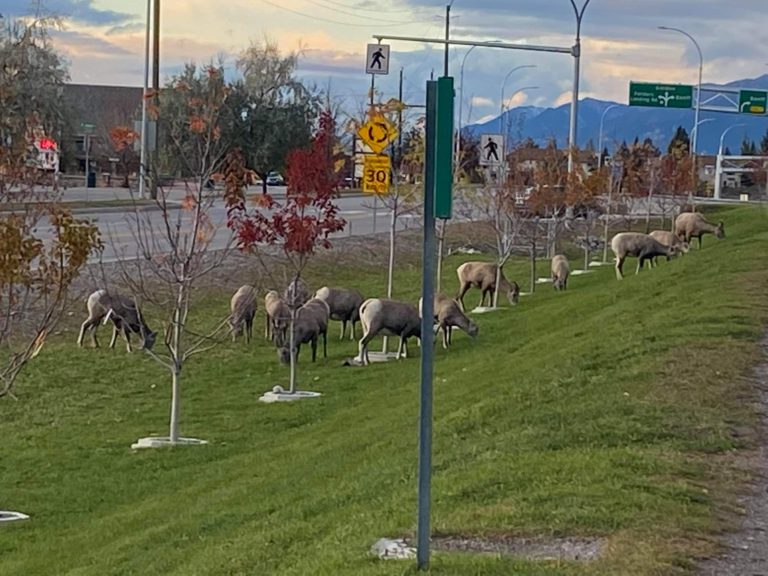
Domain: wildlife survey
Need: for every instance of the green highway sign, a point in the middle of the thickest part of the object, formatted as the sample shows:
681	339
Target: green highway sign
660	95
753	101
87	126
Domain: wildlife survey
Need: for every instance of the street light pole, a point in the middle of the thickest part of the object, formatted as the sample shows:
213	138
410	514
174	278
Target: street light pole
695	129
143	160
719	166
447	35
155	171
600	136
504	84
698	88
457	154
572	133
523	89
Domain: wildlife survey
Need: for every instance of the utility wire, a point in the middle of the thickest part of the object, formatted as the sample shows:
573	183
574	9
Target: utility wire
314	17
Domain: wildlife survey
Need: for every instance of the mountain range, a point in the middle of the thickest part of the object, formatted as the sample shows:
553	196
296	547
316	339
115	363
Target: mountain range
628	122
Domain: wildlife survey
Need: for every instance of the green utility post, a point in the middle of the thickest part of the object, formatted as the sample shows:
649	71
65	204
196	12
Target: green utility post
438	179
444	149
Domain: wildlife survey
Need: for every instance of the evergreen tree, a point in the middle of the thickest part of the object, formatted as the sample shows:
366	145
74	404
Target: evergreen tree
680	144
764	144
748	147
727	152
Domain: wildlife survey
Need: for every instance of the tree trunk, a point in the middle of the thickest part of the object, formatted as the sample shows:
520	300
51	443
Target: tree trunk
605	228
175	403
292	344
533	266
391	266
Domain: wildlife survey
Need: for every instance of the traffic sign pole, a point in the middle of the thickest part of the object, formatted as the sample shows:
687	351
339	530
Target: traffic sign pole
427	336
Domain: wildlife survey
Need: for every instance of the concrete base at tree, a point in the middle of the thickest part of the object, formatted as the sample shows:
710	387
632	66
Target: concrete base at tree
580	272
544	280
484	309
387	549
278	394
8	516
596	263
165	441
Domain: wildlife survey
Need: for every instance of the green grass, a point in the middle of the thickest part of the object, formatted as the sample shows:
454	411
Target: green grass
607	410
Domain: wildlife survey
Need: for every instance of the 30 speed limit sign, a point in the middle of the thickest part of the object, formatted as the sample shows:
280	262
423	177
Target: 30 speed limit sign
376	174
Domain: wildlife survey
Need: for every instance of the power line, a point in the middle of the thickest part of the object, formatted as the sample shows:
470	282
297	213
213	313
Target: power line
314	17
374	10
365	16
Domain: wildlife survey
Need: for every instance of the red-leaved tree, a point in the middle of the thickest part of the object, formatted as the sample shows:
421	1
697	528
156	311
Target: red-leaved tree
301	223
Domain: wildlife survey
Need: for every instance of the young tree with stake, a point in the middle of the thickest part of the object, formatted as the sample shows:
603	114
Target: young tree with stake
301	223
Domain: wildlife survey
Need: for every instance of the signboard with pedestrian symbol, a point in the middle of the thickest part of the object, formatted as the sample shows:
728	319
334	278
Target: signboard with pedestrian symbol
378	132
377	59
376	174
491	149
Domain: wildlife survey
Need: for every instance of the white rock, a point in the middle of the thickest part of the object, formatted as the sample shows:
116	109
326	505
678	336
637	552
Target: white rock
387	549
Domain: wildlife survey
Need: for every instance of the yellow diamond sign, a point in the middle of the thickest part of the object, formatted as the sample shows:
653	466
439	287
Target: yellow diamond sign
376	174
378	132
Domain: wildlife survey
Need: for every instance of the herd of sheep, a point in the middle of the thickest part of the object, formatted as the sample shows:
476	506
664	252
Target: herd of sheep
311	314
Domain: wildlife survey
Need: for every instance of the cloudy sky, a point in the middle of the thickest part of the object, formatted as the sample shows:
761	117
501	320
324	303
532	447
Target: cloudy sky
104	42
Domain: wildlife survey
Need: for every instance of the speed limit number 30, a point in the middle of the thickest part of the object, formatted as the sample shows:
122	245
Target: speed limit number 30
376	174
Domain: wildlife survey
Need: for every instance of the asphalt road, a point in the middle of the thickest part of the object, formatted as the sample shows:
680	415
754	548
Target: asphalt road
121	241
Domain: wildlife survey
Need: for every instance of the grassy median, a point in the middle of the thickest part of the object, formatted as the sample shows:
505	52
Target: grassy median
610	410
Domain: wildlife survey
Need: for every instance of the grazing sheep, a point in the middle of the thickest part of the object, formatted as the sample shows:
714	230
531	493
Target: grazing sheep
690	225
296	294
448	314
125	317
278	317
639	245
395	318
311	322
669	239
243	308
483	275
560	272
344	305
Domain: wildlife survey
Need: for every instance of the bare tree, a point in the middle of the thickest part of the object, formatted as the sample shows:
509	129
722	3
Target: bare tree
176	244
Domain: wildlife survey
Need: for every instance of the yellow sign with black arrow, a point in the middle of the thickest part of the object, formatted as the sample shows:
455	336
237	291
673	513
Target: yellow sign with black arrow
378	132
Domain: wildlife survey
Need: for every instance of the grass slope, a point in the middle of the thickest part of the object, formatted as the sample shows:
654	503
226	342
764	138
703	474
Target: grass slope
607	410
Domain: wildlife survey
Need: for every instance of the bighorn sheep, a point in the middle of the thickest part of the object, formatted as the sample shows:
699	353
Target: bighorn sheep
311	322
243	308
669	239
278	317
125	317
690	225
344	305
379	315
639	245
560	272
296	294
448	314
483	275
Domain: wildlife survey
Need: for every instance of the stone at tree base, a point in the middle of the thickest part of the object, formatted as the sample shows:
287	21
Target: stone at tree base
387	549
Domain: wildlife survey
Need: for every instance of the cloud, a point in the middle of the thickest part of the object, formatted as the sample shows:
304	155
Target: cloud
480	101
75	44
81	11
126	29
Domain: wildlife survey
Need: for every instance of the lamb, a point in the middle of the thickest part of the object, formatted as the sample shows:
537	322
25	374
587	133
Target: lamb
243	308
669	239
642	246
483	275
296	294
379	315
560	272
693	225
448	314
125	316
344	305
311	322
278	317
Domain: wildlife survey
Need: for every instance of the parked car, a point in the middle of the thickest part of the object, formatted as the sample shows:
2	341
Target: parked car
275	179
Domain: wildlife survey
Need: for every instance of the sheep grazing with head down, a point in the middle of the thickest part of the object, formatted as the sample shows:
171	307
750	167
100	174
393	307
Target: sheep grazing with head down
344	305
125	315
242	308
669	239
482	275
639	245
560	272
381	315
311	323
447	314
278	317
690	225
